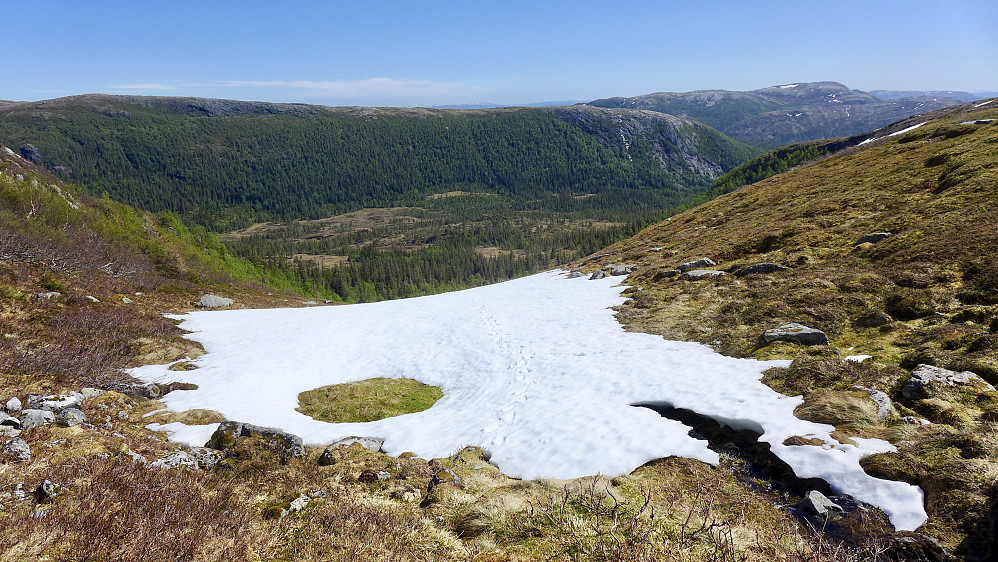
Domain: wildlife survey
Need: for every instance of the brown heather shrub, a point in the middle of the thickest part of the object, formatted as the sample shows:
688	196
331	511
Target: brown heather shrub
118	510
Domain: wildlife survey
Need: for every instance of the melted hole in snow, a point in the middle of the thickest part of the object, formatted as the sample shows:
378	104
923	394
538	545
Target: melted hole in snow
755	465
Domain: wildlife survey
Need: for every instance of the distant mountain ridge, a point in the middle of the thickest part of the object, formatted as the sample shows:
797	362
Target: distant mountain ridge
785	114
957	95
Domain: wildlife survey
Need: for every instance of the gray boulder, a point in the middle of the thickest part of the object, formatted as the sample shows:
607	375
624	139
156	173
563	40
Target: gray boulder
45	297
698	274
761	268
89	393
615	269
370	443
31	418
702	262
13	405
68	417
925	378
873	238
884	406
9	421
15	450
214	301
9	431
796	333
285	444
177	459
816	503
575	274
598	275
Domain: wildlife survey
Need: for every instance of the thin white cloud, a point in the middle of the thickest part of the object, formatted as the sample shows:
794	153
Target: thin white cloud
368	87
143	87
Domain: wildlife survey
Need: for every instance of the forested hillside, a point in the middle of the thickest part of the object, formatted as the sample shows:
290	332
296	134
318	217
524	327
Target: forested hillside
781	115
232	163
478	196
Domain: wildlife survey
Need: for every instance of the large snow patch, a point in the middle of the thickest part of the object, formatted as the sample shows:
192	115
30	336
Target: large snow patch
537	371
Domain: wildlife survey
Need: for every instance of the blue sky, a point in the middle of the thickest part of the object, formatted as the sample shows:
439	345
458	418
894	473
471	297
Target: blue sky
433	53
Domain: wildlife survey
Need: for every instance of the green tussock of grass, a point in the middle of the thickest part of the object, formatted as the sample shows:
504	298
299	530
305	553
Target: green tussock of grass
367	400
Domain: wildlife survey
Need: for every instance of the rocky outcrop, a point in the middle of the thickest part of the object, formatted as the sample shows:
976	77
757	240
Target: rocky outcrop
926	380
597	275
873	238
55	403
761	268
214	301
177	459
286	445
699	274
702	262
617	269
816	503
796	333
668	274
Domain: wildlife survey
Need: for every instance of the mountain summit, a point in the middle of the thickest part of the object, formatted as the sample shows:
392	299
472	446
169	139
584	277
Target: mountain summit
783	114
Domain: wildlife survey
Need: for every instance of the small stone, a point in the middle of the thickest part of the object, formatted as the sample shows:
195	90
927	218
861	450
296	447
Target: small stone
873	238
370	443
299	503
19	493
122	415
89	393
47	491
702	262
13	405
135	457
816	503
909	420
597	275
656	249
384	475
126	300
15	450
213	301
43	297
92	298
368	476
884	406
69	417
796	333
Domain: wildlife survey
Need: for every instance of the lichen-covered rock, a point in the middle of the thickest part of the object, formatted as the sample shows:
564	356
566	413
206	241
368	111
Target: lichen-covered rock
926	379
214	301
702	262
761	268
873	238
816	503
796	333
56	402
285	444
372	444
698	274
45	297
15	450
31	418
206	458
68	417
885	408
445	475
177	459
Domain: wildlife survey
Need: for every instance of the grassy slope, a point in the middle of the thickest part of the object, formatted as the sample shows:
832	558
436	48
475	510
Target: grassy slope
936	190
